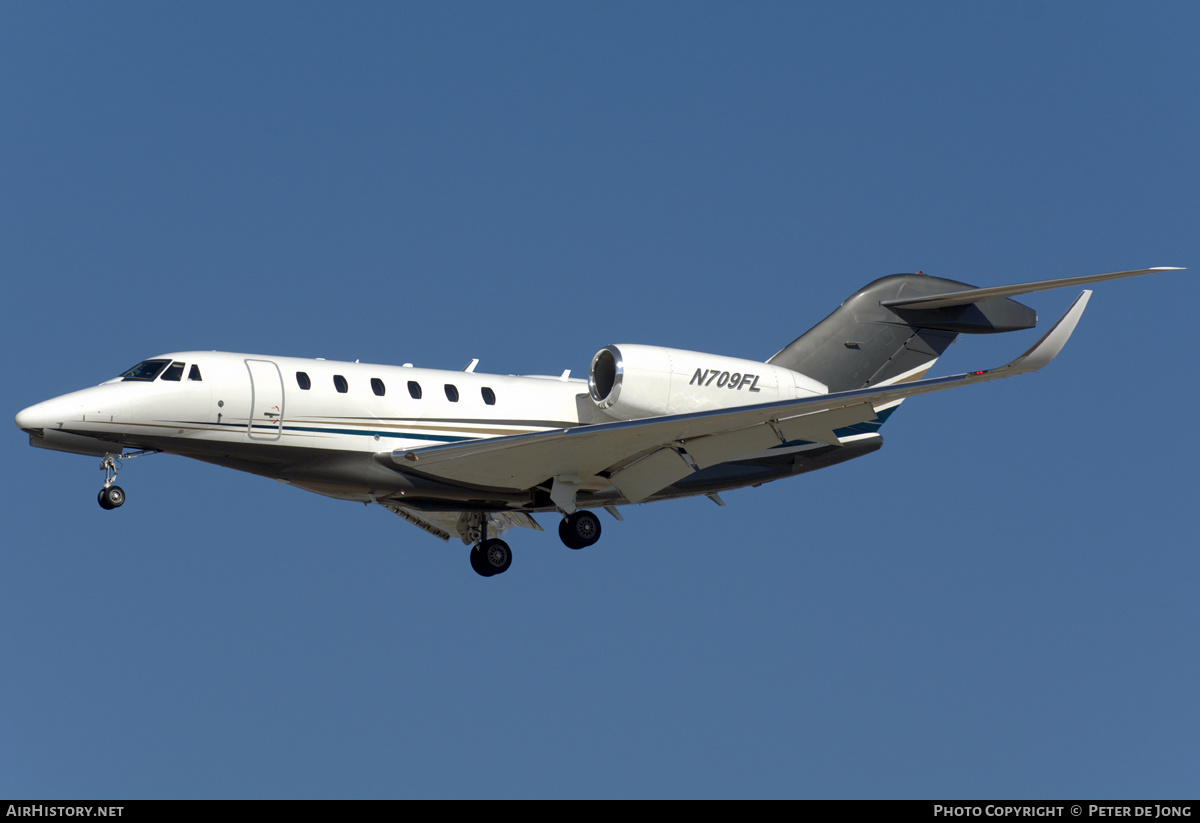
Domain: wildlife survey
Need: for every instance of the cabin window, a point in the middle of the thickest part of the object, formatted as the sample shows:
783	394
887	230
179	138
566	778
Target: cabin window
147	370
302	380
489	396
340	383
174	372
451	393
194	373
378	387
414	389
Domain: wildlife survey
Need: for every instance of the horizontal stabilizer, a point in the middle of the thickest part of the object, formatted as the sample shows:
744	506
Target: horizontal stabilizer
962	298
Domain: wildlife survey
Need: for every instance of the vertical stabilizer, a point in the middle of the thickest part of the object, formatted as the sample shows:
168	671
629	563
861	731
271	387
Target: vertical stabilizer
865	344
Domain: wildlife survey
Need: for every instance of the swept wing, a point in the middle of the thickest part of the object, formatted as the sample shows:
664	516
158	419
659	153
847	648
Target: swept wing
641	457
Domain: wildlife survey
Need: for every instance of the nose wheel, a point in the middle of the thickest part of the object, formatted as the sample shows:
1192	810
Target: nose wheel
111	497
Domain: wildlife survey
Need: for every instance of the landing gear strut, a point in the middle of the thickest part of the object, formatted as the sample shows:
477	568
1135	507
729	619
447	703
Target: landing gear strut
579	530
112	495
491	555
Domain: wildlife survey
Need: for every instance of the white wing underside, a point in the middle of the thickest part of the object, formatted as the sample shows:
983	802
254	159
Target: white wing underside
642	457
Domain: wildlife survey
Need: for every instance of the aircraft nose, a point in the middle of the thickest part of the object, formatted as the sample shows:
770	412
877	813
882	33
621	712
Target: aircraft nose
33	417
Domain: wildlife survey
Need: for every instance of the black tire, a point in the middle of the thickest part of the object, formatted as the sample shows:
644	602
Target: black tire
580	530
112	497
565	536
477	563
496	556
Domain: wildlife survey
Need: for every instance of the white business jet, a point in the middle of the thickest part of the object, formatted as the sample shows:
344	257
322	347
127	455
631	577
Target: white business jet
469	455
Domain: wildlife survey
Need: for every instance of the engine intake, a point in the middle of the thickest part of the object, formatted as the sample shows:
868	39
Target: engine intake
632	381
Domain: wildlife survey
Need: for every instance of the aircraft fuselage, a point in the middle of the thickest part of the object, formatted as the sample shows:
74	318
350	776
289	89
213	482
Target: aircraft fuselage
331	427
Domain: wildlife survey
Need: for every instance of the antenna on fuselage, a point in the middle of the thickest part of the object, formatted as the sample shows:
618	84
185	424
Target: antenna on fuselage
470	369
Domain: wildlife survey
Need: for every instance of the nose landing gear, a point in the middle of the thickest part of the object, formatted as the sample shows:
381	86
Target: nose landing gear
112	496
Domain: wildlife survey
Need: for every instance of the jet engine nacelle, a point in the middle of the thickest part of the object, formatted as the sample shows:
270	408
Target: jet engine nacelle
631	382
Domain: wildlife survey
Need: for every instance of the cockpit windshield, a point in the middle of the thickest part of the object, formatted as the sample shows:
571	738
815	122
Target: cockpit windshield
147	370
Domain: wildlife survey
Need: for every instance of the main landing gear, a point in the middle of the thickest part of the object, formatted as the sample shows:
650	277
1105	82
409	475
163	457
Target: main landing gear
489	557
579	530
492	556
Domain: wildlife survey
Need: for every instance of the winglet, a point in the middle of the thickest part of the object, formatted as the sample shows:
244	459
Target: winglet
1052	342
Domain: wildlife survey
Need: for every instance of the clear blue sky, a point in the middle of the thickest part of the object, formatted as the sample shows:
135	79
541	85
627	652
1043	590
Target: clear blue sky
999	603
